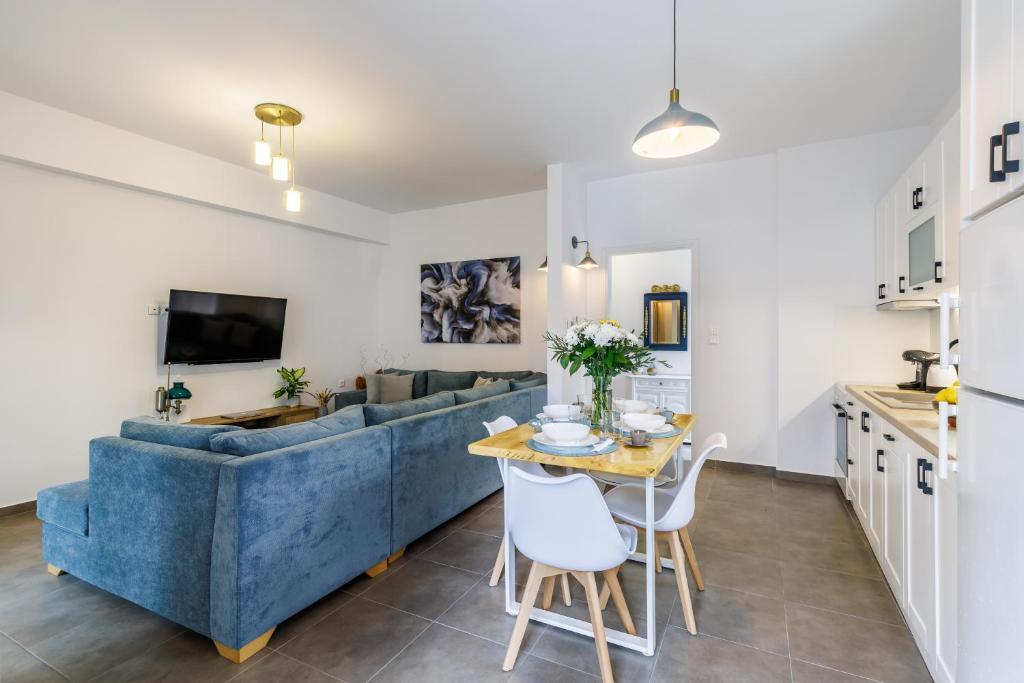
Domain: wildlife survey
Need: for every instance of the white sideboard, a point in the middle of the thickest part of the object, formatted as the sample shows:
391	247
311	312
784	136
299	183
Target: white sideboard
662	390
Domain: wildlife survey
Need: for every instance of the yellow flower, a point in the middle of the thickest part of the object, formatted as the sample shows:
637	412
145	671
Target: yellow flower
609	321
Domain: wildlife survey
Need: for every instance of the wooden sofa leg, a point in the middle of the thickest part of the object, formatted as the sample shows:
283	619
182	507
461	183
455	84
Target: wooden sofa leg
248	650
56	571
378	568
396	556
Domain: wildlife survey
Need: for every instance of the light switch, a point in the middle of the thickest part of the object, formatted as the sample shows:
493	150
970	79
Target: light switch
713	336
153	309
341	384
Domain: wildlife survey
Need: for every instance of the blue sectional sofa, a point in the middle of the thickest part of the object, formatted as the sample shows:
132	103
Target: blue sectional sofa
229	533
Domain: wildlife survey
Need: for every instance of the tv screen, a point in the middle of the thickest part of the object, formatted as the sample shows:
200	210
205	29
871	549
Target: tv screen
205	327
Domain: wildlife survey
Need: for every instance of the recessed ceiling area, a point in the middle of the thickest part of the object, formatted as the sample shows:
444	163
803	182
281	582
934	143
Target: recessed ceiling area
411	105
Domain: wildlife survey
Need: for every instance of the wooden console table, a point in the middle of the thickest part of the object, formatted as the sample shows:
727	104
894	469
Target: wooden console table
267	417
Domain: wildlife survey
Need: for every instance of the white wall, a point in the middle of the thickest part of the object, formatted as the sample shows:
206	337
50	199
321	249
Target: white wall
505	226
727	212
783	267
80	261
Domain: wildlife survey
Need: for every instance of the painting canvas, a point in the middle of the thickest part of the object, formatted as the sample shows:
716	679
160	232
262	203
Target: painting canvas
470	302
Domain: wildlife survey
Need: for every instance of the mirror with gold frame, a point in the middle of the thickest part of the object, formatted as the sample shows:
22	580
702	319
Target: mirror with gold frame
665	321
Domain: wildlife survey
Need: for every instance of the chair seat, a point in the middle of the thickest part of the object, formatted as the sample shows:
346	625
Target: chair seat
629	537
627	504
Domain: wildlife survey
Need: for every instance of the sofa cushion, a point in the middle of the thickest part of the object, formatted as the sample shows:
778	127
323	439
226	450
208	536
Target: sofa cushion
347	419
380	413
439	380
500	386
529	383
66	506
506	374
419	381
253	441
388	388
170	434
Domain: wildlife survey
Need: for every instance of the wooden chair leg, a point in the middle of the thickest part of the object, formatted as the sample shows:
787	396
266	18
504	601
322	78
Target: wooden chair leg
566	593
691	557
499	565
537	573
600	641
549	592
611	580
606	590
676	548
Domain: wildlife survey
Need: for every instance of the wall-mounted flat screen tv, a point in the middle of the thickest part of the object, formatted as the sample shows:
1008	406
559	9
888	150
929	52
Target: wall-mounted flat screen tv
206	327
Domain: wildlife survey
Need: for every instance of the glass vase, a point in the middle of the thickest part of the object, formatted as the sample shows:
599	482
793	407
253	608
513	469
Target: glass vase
602	415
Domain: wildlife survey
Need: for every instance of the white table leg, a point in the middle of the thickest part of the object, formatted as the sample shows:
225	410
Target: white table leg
651	549
510	552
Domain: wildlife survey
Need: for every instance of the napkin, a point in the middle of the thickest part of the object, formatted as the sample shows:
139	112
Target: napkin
604	443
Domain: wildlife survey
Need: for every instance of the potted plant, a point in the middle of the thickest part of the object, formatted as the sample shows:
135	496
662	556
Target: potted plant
604	350
293	384
323	399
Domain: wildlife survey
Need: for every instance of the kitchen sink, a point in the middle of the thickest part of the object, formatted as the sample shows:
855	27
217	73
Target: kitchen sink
905	400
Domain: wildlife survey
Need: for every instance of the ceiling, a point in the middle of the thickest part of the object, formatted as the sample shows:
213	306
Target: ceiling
418	104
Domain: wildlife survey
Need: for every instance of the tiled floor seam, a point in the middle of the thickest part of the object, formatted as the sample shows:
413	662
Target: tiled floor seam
840	671
140	652
294	659
726	640
36	657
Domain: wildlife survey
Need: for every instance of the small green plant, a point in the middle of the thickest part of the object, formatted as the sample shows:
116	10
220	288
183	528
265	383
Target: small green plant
293	382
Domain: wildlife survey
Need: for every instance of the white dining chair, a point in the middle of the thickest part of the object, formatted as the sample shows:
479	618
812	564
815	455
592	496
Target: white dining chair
673	511
503	424
563	525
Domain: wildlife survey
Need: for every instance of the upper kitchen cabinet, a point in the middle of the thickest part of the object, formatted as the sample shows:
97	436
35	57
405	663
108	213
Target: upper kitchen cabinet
917	225
992	103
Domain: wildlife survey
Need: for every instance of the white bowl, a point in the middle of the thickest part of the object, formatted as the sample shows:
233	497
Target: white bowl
565	432
643	421
627	405
562	411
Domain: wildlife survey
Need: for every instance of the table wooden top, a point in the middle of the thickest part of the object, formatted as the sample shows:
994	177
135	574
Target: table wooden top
633	462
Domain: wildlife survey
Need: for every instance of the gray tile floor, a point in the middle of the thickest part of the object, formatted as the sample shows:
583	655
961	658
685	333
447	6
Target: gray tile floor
793	594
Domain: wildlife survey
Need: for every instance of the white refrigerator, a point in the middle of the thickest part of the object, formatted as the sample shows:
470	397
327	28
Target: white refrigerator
990	449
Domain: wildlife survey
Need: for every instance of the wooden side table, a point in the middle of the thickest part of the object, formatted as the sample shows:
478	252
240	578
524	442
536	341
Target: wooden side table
277	416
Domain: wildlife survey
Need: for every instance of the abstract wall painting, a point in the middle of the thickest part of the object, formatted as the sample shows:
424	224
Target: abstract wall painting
470	302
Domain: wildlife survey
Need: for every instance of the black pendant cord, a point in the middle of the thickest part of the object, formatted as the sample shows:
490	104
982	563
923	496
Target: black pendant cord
673	44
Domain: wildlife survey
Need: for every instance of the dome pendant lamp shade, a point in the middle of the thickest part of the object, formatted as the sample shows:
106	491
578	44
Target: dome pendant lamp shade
678	131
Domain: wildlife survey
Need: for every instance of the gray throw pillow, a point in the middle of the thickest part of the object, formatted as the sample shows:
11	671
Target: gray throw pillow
500	386
389	388
419	384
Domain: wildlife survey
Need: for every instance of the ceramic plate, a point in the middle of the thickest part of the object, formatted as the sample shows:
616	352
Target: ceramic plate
543	439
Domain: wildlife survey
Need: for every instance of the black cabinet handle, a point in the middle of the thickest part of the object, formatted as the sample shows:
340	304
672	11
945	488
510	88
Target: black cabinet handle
849	403
938	271
888	437
849	461
994	176
1010	165
881	291
863	422
918	289
903	290
925	468
915	199
878	460
920	478
850	418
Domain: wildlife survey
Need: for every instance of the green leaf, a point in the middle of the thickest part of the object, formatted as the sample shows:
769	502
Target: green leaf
575	367
587	353
564	360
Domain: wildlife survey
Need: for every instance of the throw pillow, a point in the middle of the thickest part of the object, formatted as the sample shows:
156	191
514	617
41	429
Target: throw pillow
482	381
380	413
170	434
388	388
419	382
529	383
438	380
495	388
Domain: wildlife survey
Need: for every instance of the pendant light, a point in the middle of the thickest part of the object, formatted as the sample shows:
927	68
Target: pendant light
292	197
281	167
678	131
261	150
279	164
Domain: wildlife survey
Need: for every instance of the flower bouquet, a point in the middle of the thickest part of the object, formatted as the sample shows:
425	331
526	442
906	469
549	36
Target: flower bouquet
604	350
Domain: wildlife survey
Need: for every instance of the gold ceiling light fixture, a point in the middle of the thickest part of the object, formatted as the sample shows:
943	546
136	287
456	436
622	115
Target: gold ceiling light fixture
281	167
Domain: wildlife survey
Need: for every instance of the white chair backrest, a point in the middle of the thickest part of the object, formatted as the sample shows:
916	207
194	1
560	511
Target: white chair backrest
681	511
563	522
503	424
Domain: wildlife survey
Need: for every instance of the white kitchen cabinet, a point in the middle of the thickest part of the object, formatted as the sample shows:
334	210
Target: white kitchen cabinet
875	477
991	102
885	240
921	551
861	429
946	636
662	390
852	452
894	487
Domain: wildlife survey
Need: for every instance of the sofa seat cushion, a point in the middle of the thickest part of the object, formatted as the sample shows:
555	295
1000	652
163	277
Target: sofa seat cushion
506	374
66	506
439	380
154	430
494	388
419	380
385	412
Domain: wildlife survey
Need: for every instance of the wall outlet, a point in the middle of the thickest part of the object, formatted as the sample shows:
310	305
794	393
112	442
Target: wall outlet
154	309
713	336
341	384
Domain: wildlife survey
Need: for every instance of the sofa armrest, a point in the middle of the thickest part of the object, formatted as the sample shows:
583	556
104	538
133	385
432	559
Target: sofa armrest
349	398
151	515
295	524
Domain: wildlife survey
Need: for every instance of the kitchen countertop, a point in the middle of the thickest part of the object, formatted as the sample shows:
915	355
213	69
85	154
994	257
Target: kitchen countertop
921	426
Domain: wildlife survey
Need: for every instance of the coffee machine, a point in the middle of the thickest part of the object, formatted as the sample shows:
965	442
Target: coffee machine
923	360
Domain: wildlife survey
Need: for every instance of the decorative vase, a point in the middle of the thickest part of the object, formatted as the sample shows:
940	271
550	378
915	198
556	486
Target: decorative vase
322	412
293	401
602	416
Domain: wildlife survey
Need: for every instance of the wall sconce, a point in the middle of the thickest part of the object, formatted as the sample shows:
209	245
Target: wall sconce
544	266
587	262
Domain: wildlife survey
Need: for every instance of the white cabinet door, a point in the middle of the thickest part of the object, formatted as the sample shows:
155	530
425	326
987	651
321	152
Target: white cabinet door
946	577
885	244
950	137
862	431
986	97
921	552
853	452
894	485
875	476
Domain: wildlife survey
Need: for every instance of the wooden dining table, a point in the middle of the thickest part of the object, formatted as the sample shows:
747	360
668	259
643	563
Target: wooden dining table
643	463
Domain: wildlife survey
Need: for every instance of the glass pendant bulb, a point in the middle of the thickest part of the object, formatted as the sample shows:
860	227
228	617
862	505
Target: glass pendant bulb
279	168
293	200
261	150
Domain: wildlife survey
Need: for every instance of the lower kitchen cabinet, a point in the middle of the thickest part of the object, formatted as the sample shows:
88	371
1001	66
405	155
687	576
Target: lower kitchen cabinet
921	551
946	578
894	490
